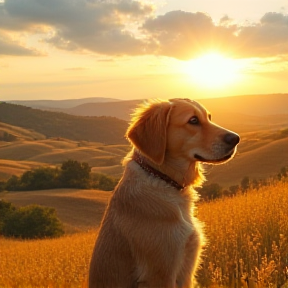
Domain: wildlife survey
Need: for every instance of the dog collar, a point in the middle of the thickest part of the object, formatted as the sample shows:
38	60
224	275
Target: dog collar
152	171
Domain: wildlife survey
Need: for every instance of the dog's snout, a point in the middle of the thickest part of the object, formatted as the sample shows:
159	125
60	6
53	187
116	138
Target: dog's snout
231	139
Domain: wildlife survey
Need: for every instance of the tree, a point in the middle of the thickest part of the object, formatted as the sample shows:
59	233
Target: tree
245	183
234	189
255	184
75	174
32	222
211	191
13	183
8	137
283	173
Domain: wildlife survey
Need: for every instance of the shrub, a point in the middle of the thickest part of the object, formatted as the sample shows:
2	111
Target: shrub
32	222
5	209
39	179
103	182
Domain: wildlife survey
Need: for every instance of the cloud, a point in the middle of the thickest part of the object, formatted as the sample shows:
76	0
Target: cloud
129	27
12	48
182	34
99	26
267	38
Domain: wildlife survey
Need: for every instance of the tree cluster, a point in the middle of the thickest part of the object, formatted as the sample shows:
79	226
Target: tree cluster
72	174
214	190
7	137
29	222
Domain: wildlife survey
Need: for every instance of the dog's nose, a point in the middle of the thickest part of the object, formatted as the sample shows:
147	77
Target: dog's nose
231	139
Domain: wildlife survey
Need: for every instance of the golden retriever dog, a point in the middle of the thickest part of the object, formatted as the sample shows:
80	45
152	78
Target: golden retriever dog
149	236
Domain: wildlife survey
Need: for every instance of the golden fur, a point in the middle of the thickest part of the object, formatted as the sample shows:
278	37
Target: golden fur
149	236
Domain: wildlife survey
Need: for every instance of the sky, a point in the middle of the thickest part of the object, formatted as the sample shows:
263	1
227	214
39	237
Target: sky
125	49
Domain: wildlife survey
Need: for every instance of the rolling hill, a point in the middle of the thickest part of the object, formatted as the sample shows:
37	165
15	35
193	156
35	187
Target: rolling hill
108	130
258	163
260	155
99	141
19	156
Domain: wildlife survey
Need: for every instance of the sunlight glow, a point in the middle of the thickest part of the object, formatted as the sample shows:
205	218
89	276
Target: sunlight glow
212	70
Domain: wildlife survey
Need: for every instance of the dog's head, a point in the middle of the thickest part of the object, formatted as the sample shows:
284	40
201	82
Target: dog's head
180	130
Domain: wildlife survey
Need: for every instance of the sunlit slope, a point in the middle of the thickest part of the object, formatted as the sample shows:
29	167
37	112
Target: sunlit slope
109	130
19	133
259	163
261	154
21	155
12	167
257	157
77	209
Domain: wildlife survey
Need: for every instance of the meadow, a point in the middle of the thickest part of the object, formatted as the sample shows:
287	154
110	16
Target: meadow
247	239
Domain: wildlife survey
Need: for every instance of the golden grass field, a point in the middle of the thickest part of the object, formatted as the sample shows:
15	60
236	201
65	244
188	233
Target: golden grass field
247	235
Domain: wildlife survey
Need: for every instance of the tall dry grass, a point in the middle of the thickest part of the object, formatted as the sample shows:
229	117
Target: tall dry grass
247	240
49	263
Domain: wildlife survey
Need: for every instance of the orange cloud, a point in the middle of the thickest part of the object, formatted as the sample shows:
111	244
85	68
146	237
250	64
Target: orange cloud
128	27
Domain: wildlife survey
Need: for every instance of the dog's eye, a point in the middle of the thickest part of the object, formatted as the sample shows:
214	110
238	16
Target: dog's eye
194	120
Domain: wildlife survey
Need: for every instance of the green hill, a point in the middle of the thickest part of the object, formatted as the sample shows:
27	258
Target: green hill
108	130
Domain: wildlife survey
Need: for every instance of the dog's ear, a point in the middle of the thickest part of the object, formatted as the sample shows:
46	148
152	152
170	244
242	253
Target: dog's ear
148	130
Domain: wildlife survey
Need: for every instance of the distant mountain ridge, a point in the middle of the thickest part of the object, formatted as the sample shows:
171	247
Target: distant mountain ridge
255	105
60	104
258	105
240	113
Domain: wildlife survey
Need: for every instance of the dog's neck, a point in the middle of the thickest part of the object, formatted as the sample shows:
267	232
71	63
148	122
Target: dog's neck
184	175
143	163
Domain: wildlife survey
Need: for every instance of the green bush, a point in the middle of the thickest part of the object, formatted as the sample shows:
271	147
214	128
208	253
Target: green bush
32	222
103	182
2	186
211	191
5	209
40	179
13	183
72	174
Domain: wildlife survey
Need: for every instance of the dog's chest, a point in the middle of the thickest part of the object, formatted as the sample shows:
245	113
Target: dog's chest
185	226
186	220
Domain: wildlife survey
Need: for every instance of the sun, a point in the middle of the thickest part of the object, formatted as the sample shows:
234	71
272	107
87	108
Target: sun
212	70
